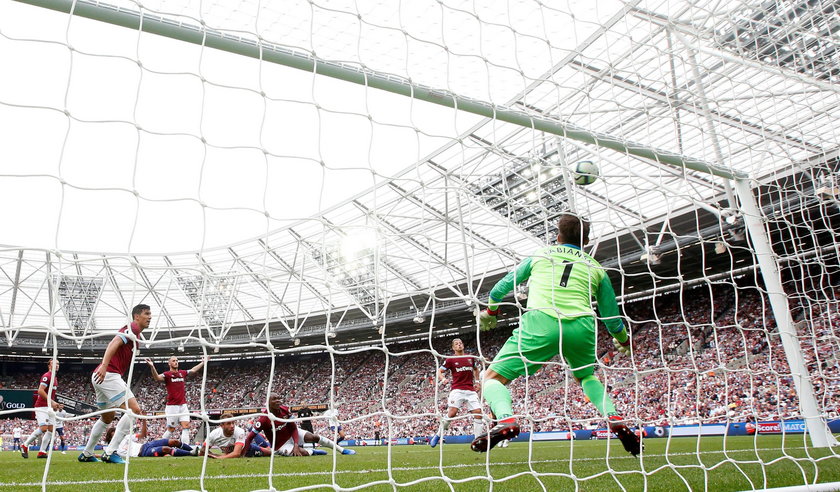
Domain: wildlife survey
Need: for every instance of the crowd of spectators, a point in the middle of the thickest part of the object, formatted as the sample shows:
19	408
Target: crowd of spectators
703	355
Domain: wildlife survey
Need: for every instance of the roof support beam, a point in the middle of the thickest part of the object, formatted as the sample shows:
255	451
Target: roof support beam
261	282
407	237
153	292
292	274
233	294
325	268
681	104
16	286
447	220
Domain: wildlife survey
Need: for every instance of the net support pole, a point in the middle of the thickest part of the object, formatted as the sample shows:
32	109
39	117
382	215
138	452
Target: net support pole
301	60
768	264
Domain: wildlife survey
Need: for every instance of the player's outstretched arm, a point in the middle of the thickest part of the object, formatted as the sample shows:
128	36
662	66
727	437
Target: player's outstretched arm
197	367
238	451
155	375
487	317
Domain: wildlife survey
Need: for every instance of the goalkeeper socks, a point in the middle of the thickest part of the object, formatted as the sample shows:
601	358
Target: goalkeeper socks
123	428
185	436
498	397
594	390
323	441
37	432
95	434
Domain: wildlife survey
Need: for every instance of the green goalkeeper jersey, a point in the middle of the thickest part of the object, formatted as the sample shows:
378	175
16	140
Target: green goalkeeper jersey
562	280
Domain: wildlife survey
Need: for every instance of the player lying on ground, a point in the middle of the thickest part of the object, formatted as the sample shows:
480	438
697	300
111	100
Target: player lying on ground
230	438
285	437
464	373
563	281
133	445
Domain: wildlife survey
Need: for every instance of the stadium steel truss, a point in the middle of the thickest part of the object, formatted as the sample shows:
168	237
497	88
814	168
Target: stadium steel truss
417	254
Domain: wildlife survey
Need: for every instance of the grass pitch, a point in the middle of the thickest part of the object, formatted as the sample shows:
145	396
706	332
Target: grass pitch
746	463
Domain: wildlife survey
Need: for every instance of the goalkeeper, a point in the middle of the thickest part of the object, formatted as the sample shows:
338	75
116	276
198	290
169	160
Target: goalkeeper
563	280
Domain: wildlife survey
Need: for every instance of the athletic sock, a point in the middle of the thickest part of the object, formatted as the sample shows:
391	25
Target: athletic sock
323	441
594	390
497	396
123	428
446	423
37	432
180	452
95	434
167	435
185	436
46	442
478	427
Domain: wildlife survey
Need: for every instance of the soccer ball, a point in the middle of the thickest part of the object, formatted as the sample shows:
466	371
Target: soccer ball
585	173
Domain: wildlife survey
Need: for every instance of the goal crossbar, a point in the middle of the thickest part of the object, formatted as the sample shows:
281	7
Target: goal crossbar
294	59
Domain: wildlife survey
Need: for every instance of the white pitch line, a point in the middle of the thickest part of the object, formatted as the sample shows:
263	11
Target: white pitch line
376	470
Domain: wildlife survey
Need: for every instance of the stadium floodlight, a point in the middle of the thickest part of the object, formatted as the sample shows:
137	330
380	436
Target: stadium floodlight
653	256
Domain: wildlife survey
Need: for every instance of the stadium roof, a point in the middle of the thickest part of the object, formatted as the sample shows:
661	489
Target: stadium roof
393	229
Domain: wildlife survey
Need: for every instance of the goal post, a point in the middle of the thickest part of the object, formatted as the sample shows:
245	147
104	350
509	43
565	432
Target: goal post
818	431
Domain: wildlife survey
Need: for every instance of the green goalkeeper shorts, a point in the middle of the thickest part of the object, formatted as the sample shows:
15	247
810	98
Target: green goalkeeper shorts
538	340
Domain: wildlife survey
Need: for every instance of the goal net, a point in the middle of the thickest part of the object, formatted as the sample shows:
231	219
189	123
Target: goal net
318	197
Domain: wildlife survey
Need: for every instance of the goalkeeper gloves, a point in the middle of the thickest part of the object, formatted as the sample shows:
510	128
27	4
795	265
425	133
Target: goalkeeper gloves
487	319
624	348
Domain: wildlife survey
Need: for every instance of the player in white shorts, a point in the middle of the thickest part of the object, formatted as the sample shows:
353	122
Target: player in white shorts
46	422
176	396
464	372
112	392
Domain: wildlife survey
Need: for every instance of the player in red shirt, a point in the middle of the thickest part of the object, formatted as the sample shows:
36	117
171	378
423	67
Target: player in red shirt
285	437
176	396
464	373
45	400
112	391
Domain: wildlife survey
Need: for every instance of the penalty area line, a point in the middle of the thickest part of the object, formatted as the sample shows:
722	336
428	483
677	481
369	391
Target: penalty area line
375	470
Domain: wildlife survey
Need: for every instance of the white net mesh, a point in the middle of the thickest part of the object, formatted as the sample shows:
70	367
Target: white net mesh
318	196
